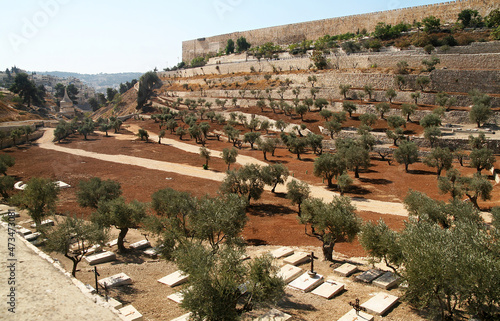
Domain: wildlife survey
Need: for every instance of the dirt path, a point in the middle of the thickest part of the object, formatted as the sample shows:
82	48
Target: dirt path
41	291
317	191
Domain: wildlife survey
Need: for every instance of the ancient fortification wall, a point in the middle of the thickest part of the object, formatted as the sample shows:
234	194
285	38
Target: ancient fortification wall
312	30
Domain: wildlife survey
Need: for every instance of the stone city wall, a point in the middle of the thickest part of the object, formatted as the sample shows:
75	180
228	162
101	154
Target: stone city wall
313	30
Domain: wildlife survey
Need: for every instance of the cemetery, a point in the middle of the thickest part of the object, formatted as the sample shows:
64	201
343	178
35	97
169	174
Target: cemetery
335	190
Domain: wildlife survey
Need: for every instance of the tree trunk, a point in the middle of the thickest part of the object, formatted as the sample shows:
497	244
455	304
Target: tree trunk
330	184
121	237
274	187
75	263
328	251
265	156
356	172
406	167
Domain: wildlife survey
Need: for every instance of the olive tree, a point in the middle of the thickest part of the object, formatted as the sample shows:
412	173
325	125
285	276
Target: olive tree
406	153
330	223
441	158
73	238
297	193
274	174
329	166
91	192
121	215
38	198
229	156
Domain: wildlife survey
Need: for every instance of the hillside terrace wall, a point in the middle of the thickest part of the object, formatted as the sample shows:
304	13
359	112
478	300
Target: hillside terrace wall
312	30
457	82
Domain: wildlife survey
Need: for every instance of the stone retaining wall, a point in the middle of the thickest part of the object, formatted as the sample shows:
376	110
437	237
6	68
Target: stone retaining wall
312	30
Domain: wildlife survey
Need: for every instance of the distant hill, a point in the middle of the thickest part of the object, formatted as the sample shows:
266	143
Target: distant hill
99	81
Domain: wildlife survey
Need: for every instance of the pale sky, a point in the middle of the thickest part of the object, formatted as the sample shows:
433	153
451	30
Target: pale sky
93	36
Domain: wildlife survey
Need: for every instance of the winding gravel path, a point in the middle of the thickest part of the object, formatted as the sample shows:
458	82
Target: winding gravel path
46	142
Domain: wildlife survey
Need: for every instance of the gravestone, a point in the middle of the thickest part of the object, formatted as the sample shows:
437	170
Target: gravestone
356	316
297	258
115	303
282	252
94	249
90	288
32	237
177	297
369	275
44	223
115	280
346	269
151	252
143	244
289	272
99	258
380	303
174	279
307	282
329	289
386	280
129	313
113	242
184	317
273	315
23	231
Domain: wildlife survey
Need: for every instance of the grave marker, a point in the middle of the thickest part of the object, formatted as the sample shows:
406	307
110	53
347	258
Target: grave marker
274	315
44	223
369	275
143	244
289	273
380	303
129	313
32	237
174	279
329	289
99	258
282	252
346	269
177	297
297	258
387	280
352	315
184	317
115	280
307	282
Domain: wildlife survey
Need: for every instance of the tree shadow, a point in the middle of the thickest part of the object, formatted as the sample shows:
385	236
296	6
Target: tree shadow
358	190
376	181
310	121
131	256
287	303
256	242
263	210
420	172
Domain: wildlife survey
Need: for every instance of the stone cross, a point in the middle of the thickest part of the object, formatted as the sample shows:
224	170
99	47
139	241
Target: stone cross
312	262
356	306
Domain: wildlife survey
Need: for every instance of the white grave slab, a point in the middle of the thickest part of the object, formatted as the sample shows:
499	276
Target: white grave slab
306	283
115	303
387	280
44	223
116	280
353	316
297	258
369	275
129	313
274	315
174	279
177	297
329	289
150	252
76	247
184	317
23	231
289	272
113	242
99	258
346	269
93	249
32	237
282	252
143	244
380	303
